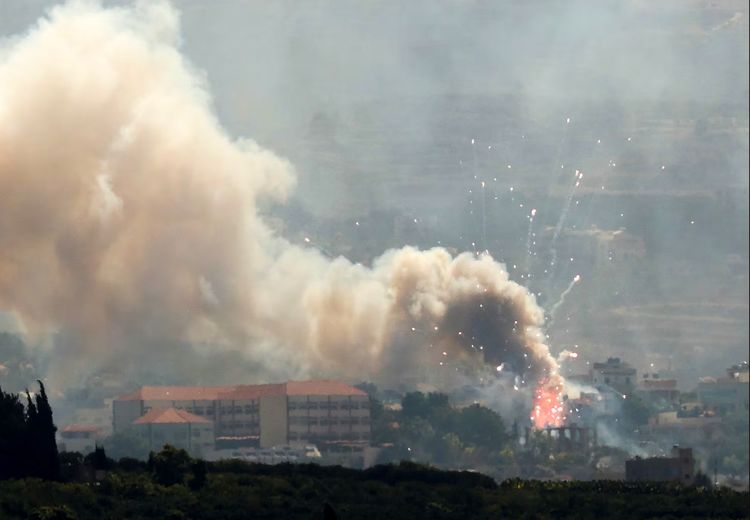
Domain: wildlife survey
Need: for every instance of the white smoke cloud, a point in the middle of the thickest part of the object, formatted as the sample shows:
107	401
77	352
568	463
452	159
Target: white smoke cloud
128	217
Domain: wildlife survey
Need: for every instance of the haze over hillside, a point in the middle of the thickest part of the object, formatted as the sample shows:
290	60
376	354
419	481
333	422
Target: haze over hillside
446	123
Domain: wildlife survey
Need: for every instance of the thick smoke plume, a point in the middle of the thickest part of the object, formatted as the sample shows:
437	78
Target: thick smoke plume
129	217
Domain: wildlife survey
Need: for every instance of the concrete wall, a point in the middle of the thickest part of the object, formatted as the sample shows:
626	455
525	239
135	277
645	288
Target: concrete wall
273	421
196	438
314	418
124	413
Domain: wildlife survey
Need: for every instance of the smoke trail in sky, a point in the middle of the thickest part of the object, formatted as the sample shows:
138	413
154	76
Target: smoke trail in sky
553	310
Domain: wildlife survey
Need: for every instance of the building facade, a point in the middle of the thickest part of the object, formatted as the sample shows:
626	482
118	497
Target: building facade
677	468
614	373
296	412
181	429
728	394
658	390
80	437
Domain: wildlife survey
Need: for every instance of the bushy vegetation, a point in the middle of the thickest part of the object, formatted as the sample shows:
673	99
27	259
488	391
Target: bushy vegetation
37	483
427	428
172	485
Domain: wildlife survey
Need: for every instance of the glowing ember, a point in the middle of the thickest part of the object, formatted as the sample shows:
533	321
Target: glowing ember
548	406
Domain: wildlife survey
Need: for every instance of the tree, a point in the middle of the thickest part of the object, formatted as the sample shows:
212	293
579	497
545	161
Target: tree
170	465
635	411
482	427
414	404
43	456
98	460
71	466
126	444
199	474
27	437
432	405
13	429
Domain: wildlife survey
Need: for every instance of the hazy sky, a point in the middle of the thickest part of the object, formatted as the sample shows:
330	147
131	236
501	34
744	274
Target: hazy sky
405	86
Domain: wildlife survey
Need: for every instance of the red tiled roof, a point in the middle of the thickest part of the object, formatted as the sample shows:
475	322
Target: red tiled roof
239	392
251	392
169	416
321	387
82	428
176	393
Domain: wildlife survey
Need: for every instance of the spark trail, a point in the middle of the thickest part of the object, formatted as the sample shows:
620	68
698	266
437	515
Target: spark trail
529	236
558	304
561	223
484	220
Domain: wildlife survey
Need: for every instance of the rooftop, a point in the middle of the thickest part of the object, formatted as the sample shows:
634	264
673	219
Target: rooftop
615	365
323	387
82	428
169	416
659	384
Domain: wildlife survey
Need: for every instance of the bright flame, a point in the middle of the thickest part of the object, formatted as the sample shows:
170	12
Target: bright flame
548	407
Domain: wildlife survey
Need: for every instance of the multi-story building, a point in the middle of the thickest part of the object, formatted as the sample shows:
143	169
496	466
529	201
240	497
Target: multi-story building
181	429
614	373
659	390
677	468
80	437
321	412
726	394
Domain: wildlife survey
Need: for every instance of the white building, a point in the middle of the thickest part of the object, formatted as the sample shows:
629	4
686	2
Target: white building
160	426
614	373
80	437
297	412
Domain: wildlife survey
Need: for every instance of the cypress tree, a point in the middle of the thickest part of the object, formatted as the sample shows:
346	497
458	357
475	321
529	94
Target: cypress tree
27	437
49	464
13	433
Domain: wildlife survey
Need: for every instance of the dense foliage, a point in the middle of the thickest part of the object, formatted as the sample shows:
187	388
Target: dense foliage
174	486
27	437
427	428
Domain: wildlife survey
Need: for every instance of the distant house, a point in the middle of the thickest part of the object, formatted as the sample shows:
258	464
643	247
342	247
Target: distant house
726	394
181	429
677	468
666	421
655	389
80	437
614	373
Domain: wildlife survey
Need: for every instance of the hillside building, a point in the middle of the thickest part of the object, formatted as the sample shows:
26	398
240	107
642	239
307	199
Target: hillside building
79	437
297	412
726	394
658	390
677	468
614	373
181	429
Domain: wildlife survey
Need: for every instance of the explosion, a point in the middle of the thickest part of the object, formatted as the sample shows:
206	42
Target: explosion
129	219
548	409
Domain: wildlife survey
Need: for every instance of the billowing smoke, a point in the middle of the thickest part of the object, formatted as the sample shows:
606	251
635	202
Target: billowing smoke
128	217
